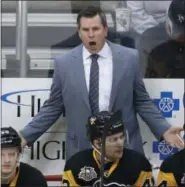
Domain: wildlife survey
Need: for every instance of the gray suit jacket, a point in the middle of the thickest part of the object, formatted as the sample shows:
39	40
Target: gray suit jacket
69	91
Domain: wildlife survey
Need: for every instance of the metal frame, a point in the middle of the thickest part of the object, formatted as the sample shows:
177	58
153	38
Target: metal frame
48	19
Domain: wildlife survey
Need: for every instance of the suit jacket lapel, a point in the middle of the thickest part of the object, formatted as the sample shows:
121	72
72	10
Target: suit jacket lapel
118	71
79	74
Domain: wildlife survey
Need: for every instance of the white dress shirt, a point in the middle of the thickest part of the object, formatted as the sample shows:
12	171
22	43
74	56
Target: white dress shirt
105	74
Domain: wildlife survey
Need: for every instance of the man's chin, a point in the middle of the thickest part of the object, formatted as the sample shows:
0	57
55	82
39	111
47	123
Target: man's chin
116	156
119	155
93	48
5	173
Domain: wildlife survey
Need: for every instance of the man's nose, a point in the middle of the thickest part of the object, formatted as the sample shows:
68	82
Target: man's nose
91	34
120	142
6	158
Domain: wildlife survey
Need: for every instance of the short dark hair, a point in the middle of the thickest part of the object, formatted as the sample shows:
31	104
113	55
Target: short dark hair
90	12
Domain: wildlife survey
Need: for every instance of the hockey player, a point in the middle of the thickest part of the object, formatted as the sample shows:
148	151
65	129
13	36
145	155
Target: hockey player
13	172
167	60
172	170
122	166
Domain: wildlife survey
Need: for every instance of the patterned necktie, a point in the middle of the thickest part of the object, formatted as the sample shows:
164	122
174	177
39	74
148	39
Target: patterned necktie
94	85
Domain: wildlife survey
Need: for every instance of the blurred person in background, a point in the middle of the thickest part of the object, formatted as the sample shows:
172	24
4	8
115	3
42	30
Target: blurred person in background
175	23
167	60
148	26
147	14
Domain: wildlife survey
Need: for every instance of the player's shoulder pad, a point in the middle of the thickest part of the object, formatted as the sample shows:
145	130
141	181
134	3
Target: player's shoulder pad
138	160
172	162
30	170
78	159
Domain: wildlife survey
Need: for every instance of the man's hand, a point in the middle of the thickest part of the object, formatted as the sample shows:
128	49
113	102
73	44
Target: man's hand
23	141
172	136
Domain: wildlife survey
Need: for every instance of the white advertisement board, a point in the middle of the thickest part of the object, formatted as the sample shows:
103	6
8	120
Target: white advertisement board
168	96
22	98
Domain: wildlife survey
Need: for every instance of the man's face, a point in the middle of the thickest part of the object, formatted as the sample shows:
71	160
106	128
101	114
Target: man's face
9	158
114	146
92	33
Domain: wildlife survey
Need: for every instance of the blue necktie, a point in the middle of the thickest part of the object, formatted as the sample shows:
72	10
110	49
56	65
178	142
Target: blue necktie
94	85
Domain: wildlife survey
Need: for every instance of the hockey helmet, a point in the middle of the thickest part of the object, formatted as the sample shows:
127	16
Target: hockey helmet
97	124
10	138
176	13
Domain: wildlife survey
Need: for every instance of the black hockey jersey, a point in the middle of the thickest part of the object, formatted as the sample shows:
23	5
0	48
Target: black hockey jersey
27	176
172	171
83	169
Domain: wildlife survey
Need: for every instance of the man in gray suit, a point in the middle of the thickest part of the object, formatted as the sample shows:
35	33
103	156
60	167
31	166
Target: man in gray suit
95	76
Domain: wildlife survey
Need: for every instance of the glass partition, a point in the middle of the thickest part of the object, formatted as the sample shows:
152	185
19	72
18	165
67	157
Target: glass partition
52	30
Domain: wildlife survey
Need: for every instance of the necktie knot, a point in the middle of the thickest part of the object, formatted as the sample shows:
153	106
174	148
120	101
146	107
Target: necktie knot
94	57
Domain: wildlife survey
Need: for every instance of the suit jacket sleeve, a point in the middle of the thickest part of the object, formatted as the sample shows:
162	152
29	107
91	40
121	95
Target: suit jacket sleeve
144	105
49	113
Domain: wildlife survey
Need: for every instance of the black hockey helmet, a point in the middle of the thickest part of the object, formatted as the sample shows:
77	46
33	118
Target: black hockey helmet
176	13
97	123
10	138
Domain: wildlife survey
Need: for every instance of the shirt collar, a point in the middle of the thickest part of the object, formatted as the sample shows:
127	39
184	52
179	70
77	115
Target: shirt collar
105	52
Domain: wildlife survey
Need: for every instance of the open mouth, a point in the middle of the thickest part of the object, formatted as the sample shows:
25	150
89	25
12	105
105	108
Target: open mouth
92	43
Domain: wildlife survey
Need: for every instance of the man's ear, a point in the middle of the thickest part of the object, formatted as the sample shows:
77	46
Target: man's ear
106	30
79	35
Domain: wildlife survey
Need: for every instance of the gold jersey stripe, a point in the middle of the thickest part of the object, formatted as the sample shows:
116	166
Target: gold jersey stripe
14	181
166	177
68	176
145	178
